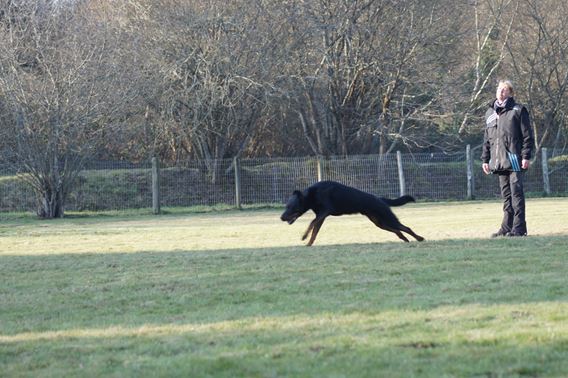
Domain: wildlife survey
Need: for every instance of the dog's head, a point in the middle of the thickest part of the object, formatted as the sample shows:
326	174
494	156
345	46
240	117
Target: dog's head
295	207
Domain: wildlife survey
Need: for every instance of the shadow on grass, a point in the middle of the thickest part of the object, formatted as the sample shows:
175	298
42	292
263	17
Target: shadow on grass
453	307
459	341
215	286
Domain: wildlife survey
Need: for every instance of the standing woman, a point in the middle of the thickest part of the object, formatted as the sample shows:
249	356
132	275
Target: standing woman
506	151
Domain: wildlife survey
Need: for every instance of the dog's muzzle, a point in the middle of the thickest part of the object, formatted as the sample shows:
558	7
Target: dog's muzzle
289	218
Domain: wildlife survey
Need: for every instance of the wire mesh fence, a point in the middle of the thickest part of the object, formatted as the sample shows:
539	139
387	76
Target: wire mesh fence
122	185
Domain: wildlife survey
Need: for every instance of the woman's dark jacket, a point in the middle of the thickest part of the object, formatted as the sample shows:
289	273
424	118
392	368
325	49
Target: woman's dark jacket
508	136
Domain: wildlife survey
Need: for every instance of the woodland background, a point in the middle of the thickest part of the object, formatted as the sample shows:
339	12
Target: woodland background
216	79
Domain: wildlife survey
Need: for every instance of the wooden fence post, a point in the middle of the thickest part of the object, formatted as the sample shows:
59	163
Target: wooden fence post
470	173
237	166
320	168
545	175
155	186
401	182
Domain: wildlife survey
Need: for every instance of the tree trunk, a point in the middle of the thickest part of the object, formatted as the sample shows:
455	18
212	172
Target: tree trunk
51	204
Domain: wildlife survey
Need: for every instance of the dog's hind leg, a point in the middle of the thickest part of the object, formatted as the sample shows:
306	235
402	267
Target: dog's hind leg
410	232
379	224
397	232
400	235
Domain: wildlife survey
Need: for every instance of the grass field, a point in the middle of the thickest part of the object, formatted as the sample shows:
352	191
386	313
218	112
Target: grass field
232	294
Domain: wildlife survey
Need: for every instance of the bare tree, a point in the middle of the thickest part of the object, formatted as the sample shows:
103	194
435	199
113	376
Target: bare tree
373	69
330	87
493	22
55	85
210	74
208	80
539	56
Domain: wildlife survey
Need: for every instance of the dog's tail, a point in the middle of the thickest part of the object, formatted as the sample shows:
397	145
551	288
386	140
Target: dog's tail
398	201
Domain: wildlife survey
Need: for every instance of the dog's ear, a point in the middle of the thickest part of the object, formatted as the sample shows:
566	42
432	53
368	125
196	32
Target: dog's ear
299	197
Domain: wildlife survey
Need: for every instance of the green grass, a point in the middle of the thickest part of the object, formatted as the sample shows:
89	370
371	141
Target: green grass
237	294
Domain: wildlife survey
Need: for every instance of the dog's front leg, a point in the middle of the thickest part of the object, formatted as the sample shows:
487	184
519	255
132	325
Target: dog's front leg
310	227
315	229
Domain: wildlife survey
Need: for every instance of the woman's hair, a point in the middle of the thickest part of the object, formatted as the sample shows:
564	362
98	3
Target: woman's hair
508	84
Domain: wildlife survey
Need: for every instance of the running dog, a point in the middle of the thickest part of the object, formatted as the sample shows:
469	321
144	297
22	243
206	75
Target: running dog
332	198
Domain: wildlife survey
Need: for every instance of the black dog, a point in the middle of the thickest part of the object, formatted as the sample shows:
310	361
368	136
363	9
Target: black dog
332	198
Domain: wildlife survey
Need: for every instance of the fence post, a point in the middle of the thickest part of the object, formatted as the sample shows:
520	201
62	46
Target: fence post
401	182
545	177
319	167
155	186
470	174
237	166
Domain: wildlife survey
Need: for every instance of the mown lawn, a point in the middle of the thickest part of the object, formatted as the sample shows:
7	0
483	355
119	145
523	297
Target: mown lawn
237	294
